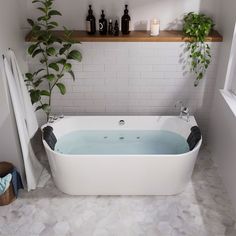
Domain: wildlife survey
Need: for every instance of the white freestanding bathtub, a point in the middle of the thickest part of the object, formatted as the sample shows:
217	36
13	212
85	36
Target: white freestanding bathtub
122	174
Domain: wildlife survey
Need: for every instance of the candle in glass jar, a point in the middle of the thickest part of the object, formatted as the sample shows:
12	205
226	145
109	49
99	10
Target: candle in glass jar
155	27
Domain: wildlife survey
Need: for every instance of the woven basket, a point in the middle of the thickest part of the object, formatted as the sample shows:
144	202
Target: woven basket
9	196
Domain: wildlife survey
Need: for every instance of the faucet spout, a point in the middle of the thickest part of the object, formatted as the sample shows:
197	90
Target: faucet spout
184	111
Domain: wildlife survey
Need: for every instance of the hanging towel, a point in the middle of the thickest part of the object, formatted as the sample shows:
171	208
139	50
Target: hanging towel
27	107
33	168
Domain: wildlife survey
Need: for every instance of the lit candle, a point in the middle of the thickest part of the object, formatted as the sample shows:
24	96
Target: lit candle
155	27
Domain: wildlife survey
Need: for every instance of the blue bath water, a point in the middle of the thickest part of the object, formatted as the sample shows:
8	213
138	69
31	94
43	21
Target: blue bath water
108	142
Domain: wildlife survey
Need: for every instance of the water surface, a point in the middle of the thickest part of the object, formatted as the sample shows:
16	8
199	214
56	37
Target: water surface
119	142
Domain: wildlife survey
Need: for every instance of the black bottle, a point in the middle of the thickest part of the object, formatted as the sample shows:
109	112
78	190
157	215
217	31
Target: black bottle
125	21
90	22
110	27
103	24
116	29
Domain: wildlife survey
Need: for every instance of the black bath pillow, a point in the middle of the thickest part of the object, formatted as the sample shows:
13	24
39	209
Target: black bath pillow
194	137
49	137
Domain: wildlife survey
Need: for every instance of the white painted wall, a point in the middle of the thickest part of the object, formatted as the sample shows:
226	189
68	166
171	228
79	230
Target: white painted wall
223	121
141	11
11	37
211	8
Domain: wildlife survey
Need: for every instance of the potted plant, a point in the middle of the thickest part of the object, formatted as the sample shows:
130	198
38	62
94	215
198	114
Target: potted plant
54	55
197	27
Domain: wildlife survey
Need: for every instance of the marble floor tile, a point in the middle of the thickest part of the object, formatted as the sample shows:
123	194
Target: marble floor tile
203	209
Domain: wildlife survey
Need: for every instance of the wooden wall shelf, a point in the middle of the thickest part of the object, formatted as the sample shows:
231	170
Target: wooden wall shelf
134	36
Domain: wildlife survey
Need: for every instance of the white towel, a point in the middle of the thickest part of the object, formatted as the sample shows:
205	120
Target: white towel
33	168
27	107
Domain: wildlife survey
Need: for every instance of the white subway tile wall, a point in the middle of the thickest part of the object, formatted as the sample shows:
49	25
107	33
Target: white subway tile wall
134	79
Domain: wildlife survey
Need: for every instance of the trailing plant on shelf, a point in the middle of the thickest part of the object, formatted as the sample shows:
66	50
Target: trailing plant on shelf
54	54
197	27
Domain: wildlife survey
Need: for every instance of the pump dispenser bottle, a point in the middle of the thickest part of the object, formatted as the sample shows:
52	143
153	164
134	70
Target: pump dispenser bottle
103	24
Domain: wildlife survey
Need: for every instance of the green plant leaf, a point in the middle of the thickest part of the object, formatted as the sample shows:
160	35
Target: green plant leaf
44	36
62	61
36	1
75	55
51	51
62	88
43	18
32	48
65	48
42	60
36	29
38	71
54	66
36	52
54	13
48	4
46	108
67	45
67	67
44	93
62	51
72	74
50	77
59	76
29	76
35	96
38	108
37	83
31	22
53	23
42	9
67	32
50	27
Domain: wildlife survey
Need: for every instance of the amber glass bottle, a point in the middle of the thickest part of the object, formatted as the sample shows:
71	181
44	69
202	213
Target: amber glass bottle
90	22
125	21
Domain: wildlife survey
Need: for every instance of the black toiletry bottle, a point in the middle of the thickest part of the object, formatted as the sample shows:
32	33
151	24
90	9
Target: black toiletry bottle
90	22
110	27
116	29
103	24
125	21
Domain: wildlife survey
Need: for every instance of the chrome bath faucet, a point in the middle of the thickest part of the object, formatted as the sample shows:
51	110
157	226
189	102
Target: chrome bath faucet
184	110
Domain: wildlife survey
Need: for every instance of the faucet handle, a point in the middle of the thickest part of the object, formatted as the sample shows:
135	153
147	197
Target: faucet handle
184	109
